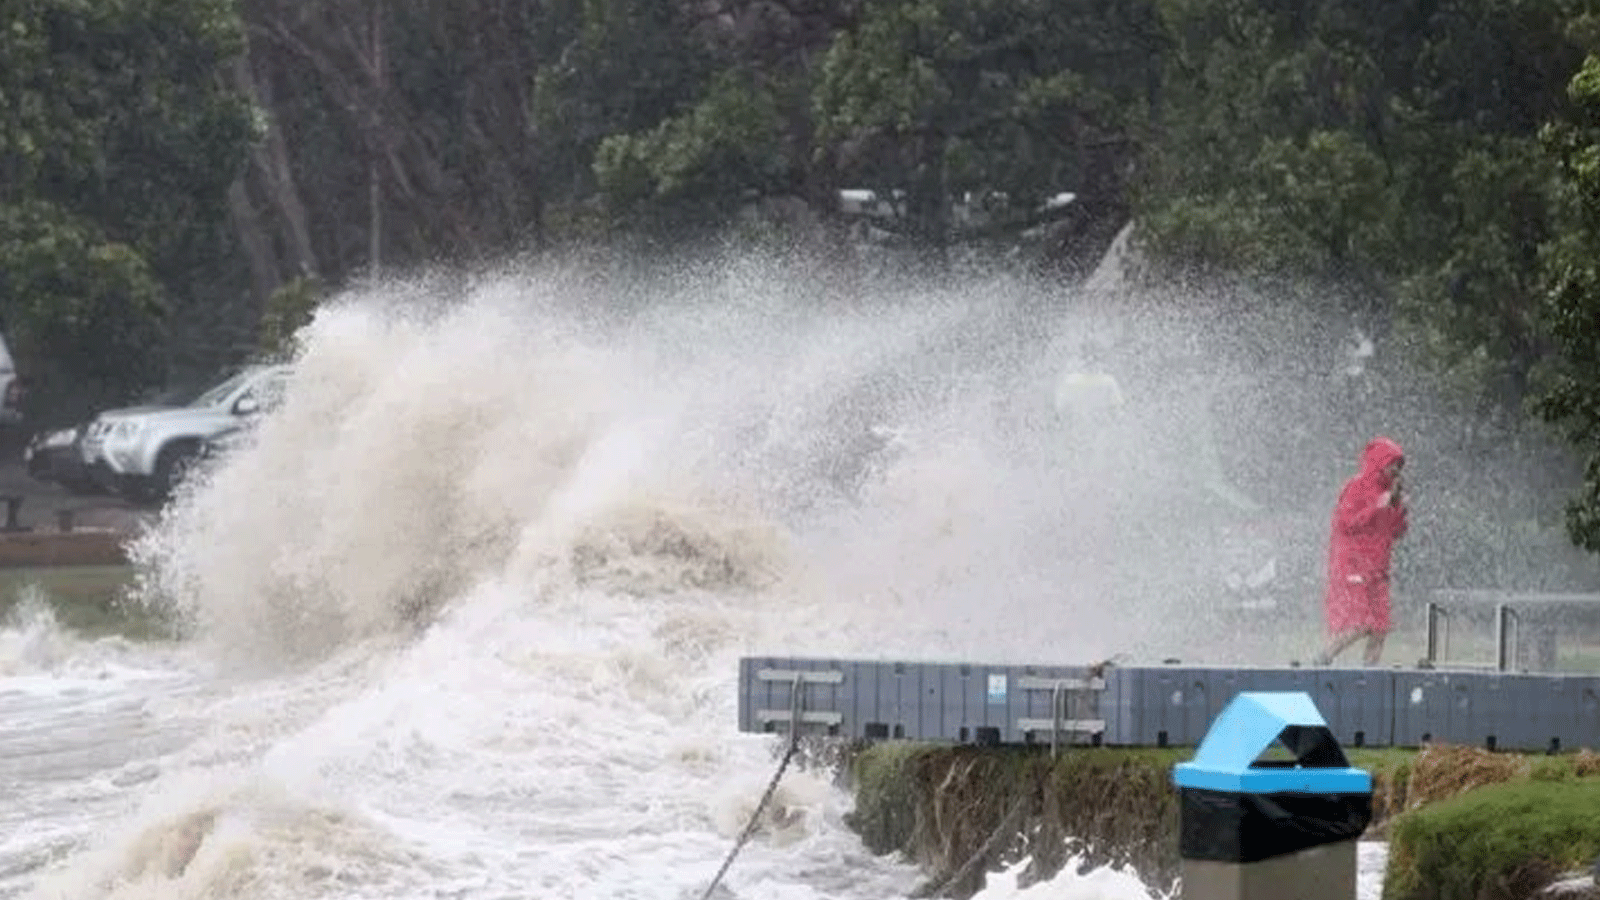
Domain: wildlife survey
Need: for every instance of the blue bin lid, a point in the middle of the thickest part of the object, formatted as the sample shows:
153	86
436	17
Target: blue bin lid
1250	723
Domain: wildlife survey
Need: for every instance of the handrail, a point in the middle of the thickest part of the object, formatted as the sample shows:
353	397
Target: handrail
1508	607
1435	613
1506	624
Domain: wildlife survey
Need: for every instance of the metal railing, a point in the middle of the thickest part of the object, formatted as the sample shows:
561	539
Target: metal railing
1508	624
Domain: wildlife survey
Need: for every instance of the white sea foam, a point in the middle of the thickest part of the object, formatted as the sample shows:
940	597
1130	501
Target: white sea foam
465	612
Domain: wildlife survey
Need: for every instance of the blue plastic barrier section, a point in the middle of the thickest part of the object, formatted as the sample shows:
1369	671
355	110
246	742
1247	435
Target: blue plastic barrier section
1153	706
955	702
1174	705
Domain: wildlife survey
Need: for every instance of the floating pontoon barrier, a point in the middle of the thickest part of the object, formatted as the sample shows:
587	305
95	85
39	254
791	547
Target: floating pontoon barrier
1157	706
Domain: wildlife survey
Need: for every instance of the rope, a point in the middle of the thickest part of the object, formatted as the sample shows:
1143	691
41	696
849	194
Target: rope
766	797
1008	827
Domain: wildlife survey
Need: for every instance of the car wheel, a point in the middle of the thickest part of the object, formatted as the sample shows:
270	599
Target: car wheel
172	466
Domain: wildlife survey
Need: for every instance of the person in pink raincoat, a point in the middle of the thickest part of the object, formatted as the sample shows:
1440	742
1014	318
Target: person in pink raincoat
1369	517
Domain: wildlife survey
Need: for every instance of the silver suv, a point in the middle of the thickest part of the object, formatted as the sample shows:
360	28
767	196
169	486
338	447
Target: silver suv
147	450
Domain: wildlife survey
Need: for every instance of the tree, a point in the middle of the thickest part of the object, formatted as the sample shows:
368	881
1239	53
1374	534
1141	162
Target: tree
1485	77
691	171
1268	161
1388	150
1572	266
88	309
118	144
618	69
1003	102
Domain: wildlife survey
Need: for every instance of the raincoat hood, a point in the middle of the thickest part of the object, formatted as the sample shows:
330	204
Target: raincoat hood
1380	452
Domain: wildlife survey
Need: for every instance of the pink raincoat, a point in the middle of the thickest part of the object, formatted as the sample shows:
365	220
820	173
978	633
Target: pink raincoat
1364	531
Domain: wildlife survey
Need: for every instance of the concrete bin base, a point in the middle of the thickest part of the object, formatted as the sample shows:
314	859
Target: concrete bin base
1324	872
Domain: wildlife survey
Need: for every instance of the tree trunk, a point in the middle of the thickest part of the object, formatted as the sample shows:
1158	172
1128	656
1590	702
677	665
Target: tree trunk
254	240
269	164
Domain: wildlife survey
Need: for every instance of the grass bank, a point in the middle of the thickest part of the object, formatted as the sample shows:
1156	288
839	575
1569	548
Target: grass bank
1502	842
959	812
84	599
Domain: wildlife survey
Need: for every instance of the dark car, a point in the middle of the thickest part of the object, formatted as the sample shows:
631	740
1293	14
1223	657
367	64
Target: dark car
53	456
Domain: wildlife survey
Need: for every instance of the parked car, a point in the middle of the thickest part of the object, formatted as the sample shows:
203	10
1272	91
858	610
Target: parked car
149	451
13	426
219	445
92	434
56	456
11	392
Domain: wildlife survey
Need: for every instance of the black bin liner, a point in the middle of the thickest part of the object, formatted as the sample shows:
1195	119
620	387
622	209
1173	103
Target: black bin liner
1224	826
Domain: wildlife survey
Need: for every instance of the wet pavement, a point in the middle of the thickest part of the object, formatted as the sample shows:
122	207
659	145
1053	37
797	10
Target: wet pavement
39	504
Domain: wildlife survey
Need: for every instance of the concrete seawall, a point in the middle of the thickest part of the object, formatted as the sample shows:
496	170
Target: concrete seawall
79	547
42	525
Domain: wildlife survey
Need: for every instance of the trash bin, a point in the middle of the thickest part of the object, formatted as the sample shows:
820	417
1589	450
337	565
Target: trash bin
1265	828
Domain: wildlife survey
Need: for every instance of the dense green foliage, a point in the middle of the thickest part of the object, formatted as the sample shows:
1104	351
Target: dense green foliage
1001	101
118	145
1573	312
1500	842
1389	147
1423	167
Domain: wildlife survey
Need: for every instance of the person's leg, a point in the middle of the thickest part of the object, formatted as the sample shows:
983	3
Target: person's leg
1374	648
1338	643
1346	617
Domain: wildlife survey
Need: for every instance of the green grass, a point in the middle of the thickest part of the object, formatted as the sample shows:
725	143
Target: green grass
1579	659
68	583
1382	762
84	599
886	795
1499	842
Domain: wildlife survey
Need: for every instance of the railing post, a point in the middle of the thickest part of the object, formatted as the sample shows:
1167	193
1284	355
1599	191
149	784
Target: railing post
13	514
1435	613
1506	627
